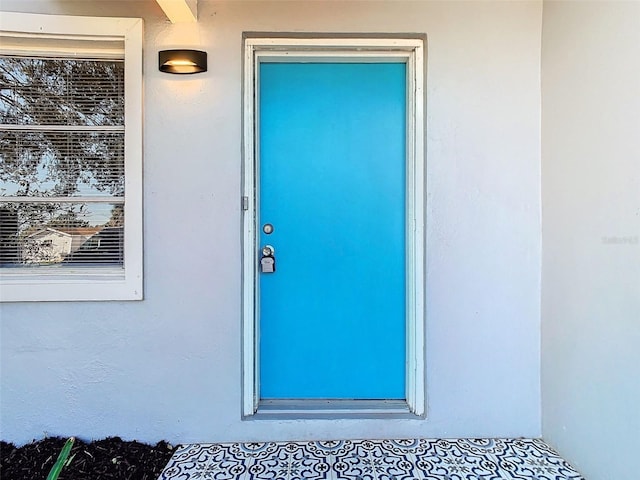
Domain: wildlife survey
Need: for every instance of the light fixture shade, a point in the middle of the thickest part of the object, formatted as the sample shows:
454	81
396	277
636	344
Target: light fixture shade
182	61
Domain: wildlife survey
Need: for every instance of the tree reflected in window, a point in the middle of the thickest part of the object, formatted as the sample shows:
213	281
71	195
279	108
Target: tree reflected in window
61	161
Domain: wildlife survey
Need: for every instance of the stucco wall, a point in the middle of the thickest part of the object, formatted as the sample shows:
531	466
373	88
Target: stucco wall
591	231
169	366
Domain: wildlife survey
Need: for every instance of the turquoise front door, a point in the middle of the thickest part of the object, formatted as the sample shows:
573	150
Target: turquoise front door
332	194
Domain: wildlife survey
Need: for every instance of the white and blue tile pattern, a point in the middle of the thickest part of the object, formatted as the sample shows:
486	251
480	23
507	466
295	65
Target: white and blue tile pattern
410	459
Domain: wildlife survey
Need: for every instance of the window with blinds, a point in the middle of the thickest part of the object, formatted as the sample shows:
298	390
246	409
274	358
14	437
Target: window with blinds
62	161
70	158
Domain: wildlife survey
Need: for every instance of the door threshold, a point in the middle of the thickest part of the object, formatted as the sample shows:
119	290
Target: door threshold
331	409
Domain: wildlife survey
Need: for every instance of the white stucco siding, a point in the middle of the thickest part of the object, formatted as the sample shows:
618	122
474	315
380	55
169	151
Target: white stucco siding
591	235
169	366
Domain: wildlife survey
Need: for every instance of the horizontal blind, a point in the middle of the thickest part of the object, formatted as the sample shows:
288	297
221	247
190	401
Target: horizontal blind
73	92
64	233
61	162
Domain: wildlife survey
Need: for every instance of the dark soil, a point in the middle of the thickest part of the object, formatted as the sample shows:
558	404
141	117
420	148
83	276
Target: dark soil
108	459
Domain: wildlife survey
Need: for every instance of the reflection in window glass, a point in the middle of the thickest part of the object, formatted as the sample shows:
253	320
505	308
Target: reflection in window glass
73	234
52	164
61	91
62	172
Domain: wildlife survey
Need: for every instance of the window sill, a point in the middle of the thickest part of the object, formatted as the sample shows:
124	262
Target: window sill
77	284
331	409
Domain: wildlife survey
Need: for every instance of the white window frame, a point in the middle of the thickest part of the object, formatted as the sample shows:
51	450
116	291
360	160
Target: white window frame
34	34
412	51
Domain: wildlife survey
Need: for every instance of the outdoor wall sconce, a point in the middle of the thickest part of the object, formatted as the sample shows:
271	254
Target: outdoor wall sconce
182	61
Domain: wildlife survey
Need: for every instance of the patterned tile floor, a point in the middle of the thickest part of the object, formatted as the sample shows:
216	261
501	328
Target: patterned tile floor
423	459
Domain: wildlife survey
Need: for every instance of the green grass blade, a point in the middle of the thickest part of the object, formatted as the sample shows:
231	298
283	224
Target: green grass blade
62	458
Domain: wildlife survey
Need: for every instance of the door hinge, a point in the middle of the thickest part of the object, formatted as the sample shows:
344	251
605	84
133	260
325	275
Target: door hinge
245	203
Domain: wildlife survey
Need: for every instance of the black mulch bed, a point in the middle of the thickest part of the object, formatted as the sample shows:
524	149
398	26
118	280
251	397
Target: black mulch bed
111	458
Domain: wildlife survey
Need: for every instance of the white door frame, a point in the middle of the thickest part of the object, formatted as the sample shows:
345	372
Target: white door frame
291	49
